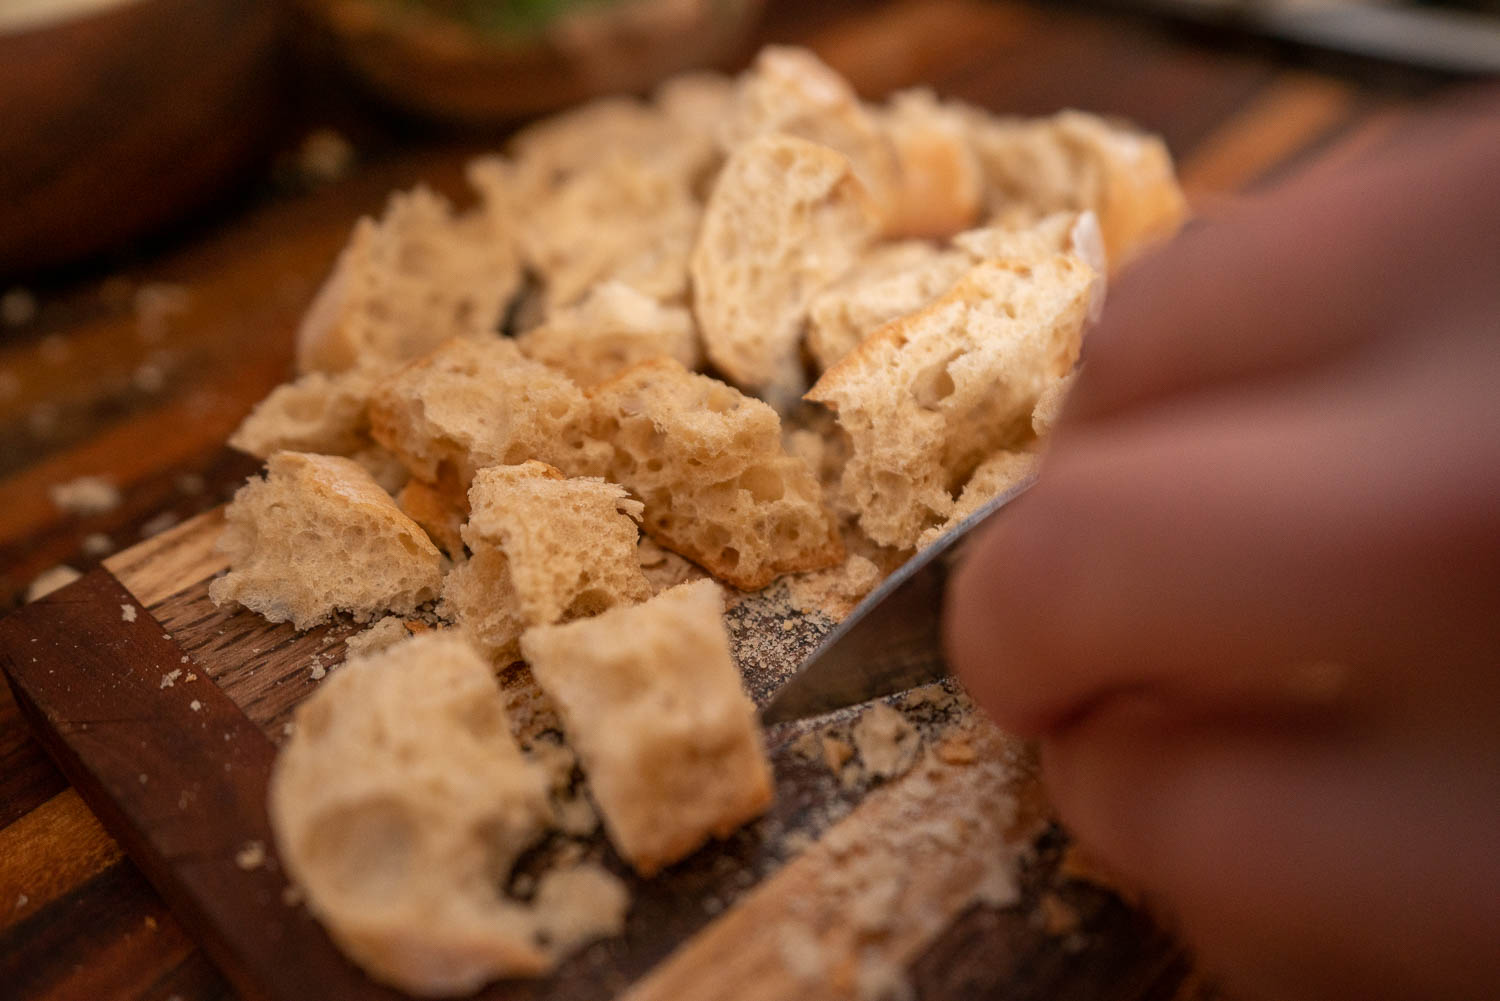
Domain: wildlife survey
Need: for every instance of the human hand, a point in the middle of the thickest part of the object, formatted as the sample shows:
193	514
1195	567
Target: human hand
1252	607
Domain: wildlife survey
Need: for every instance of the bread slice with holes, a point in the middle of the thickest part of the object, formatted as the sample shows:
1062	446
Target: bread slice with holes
926	397
790	91
409	282
787	218
399	805
472	404
1073	161
545	549
319	535
653	704
718	487
940	190
614	327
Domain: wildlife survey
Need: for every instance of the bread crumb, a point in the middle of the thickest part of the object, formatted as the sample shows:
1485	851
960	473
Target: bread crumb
319	672
191	677
836	590
195	705
956	751
97	544
159	524
383	635
85	495
170	678
836	753
17	307
50	580
155	305
801	953
887	743
577	905
127	613
252	855
21	901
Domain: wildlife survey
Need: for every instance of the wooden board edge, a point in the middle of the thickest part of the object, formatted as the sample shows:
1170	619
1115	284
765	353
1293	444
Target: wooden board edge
176	559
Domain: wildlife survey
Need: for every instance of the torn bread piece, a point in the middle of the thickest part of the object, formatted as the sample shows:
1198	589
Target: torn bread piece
614	327
926	397
399	805
787	218
1073	161
1048	409
472	404
708	463
941	186
1007	468
653	704
545	549
1075	233
407	283
319	535
317	412
789	90
439	514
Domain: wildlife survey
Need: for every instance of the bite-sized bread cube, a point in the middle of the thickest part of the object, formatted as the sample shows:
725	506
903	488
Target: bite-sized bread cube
1007	468
399	805
1049	405
472	404
545	549
611	329
708	463
1074	161
787	218
653	704
407	283
889	281
926	397
941	187
440	514
318	535
791	91
317	412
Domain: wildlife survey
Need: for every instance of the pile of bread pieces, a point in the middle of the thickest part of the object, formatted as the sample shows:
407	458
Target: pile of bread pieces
776	329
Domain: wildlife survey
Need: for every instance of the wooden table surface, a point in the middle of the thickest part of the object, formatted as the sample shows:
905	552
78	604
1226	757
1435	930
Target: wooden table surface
87	388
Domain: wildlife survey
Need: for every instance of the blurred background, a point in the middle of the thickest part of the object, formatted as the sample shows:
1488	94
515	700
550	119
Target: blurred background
176	176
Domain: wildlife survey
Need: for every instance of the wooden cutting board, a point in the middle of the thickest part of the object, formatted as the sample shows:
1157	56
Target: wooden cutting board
165	712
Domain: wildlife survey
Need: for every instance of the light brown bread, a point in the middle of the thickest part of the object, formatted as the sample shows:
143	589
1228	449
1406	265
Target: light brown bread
708	463
318	535
545	549
926	397
317	412
407	283
472	404
399	804
787	218
696	102
653	704
613	328
441	515
940	190
1073	161
1006	468
791	91
1075	233
1049	405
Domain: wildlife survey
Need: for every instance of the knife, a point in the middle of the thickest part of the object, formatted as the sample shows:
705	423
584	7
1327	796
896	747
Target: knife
892	640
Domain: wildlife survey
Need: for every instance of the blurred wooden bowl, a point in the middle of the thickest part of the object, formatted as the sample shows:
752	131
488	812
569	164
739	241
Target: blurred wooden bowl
122	116
443	69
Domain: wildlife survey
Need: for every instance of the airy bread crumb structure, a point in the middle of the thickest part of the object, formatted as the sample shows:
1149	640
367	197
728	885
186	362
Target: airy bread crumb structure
653	704
708	464
318	535
545	549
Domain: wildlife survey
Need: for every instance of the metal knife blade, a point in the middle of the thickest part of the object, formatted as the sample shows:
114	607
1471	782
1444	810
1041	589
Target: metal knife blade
892	641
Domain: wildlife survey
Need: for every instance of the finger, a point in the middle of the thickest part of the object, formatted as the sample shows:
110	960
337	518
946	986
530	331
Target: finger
1299	863
1300	275
1270	541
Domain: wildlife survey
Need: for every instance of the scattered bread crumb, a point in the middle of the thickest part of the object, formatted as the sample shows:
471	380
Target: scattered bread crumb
159	524
195	705
85	495
97	544
50	580
888	745
252	855
127	613
170	678
384	634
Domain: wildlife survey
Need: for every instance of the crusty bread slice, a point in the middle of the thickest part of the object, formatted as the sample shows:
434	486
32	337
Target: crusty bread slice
613	328
941	187
787	218
318	535
1073	161
708	463
317	412
791	91
545	549
472	404
889	281
1004	469
926	397
399	804
652	702
409	282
